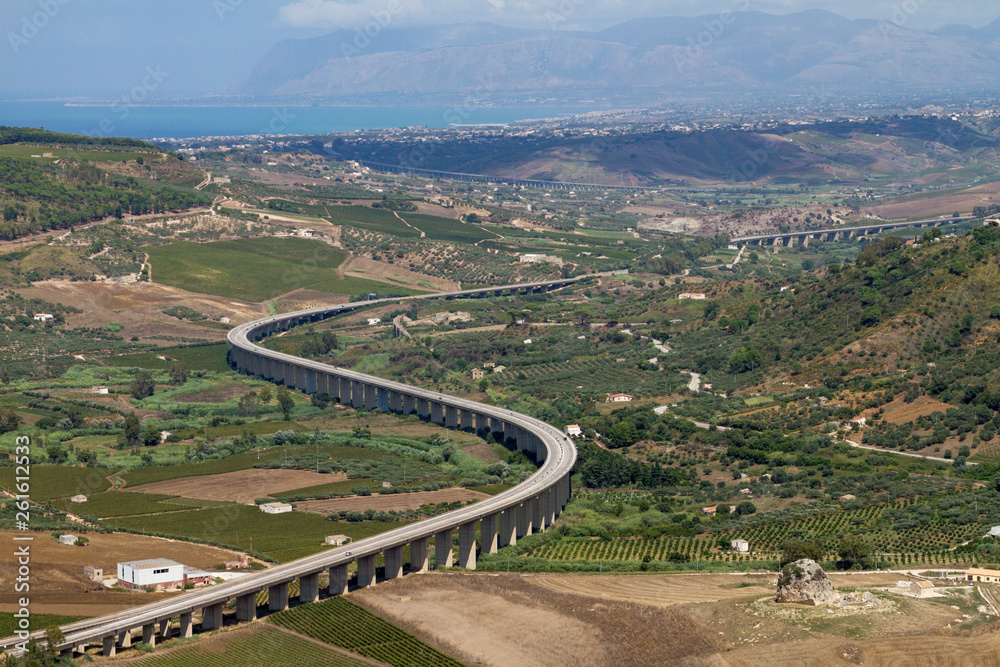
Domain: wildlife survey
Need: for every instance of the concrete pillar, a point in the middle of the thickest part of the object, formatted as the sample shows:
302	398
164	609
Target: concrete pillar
164	628
508	527
550	507
338	580
488	534
382	399
525	519
394	563
437	413
149	634
409	405
357	395
467	545
442	549
322	383
110	649
366	571
309	588
310	381
277	597
371	397
125	638
211	617
418	555
466	420
450	416
187	626
396	402
246	607
538	513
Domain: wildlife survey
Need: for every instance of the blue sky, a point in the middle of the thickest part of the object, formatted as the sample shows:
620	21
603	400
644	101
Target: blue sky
107	47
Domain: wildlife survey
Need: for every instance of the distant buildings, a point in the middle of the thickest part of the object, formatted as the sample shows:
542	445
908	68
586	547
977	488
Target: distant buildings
979	575
93	573
619	398
99	390
44	317
742	546
337	540
478	373
499	369
159	574
276	508
921	589
68	539
710	511
373	321
79	498
573	430
692	296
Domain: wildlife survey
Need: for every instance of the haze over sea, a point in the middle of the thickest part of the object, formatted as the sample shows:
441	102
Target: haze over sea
145	122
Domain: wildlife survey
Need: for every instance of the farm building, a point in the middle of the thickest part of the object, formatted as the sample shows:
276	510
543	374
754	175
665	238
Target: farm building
741	546
478	374
499	369
372	321
337	540
994	532
160	574
94	573
619	398
68	539
44	317
225	320
710	511
386	485
689	296
976	574
99	390
79	498
847	497
242	561
527	341
921	589
275	508
573	430
490	364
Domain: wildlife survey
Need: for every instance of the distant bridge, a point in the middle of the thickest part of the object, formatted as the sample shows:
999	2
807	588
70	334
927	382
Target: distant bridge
482	178
843	233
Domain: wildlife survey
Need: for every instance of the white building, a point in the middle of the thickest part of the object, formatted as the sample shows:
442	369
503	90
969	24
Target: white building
619	398
44	317
80	498
994	532
922	589
68	539
741	546
689	296
159	573
337	540
573	430
275	508
99	390
373	321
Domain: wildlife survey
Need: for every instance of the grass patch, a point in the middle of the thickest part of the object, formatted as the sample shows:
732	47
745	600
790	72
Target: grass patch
49	482
202	357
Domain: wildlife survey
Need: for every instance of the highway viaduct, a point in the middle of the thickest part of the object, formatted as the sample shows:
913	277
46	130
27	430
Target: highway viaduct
530	507
842	233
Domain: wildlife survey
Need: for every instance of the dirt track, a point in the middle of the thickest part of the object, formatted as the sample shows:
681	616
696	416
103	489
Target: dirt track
242	486
391	502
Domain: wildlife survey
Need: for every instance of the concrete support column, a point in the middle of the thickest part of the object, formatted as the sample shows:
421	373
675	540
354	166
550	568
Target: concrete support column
357	395
437	413
125	638
366	571
508	527
383	399
442	549
396	402
550	507
488	534
110	649
418	555
371	397
309	381
187	626
309	588
149	635
450	416
338	580
409	405
468	421
322	383
467	545
277	597
538	513
211	617
394	563
526	519
164	628
246	607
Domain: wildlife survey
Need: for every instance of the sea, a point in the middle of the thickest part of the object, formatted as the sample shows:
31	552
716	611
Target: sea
181	122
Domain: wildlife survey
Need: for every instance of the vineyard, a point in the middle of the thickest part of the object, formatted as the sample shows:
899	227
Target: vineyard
51	482
267	648
342	623
906	532
120	503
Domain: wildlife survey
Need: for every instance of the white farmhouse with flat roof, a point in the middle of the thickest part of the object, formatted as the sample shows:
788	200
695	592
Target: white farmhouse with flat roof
160	573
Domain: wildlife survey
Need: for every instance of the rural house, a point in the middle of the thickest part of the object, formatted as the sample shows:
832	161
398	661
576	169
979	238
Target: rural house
68	539
337	540
275	508
80	498
95	574
573	430
44	317
979	575
921	589
619	398
742	546
478	374
709	511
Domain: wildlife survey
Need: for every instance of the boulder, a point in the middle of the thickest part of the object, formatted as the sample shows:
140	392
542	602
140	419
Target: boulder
805	582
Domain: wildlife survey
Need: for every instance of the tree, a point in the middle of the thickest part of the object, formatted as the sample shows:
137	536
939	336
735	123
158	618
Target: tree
142	385
853	553
622	434
151	436
132	432
795	549
285	402
249	403
9	420
745	359
264	394
179	373
746	508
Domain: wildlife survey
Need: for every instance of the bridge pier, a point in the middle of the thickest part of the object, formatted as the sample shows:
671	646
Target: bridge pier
339	576
538	513
508	527
443	549
110	649
211	617
418	555
371	397
246	607
149	635
450	417
366	571
277	597
467	545
488	534
357	395
186	630
309	587
437	414
394	563
125	639
165	628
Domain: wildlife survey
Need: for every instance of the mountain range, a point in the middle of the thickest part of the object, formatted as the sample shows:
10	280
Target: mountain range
637	61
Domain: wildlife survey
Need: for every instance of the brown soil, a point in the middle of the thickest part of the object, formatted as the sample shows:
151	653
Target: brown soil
139	307
482	451
217	394
365	267
392	502
965	201
657	590
509	620
59	587
901	412
242	486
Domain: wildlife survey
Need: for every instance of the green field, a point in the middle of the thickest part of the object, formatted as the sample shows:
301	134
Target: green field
202	357
342	623
8	623
267	647
120	503
50	482
26	152
257	269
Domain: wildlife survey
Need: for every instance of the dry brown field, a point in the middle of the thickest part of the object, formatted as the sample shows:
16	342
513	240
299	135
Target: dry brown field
58	584
392	502
699	620
366	267
965	201
242	486
900	412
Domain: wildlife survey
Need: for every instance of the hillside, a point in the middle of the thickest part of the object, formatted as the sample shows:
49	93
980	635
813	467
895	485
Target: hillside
638	61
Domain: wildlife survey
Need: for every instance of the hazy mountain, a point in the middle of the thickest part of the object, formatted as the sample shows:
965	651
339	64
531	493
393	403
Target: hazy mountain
638	60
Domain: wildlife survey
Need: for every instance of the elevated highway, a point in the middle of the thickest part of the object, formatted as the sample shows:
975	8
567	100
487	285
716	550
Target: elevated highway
531	506
843	233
